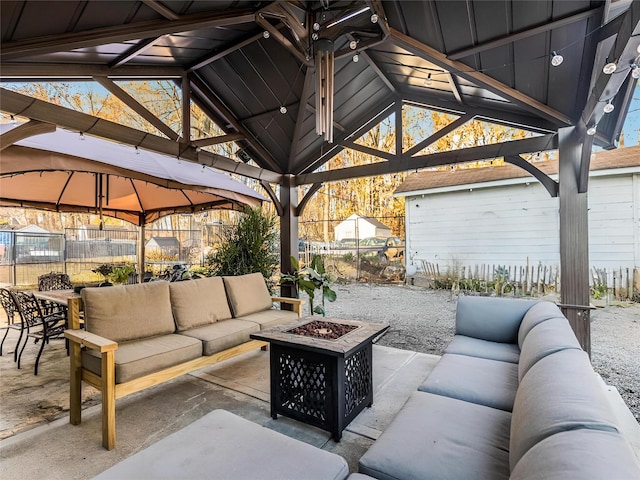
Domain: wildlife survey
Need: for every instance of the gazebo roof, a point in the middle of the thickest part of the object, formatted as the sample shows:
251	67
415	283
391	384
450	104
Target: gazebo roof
243	62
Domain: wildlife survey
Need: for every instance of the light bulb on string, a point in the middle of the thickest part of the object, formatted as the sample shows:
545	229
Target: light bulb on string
266	34
374	18
609	107
356	58
428	82
283	109
591	131
137	150
556	59
635	71
609	68
353	44
81	136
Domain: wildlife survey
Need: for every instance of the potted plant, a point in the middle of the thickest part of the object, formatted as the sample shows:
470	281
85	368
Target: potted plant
309	279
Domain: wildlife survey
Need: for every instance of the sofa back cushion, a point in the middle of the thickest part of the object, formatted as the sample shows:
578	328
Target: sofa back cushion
493	319
546	338
559	393
128	312
247	294
540	312
200	302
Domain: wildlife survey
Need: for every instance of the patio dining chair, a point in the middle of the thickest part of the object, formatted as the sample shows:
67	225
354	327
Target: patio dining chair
37	323
10	309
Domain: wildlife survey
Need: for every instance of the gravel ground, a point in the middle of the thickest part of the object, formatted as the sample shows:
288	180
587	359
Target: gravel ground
422	320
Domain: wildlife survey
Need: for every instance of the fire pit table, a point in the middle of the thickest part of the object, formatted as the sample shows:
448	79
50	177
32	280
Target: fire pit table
321	370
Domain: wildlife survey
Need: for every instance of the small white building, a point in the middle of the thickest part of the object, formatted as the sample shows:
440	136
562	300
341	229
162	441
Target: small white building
504	216
359	227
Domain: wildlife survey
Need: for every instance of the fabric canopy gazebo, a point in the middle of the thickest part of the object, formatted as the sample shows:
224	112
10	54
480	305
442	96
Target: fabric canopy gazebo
62	171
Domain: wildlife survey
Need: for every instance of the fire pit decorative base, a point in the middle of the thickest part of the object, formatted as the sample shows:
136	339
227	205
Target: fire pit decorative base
317	379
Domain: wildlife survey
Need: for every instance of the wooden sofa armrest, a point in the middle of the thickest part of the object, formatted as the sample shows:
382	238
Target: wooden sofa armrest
91	340
296	302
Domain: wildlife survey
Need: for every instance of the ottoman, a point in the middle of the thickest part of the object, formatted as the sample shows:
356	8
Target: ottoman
223	446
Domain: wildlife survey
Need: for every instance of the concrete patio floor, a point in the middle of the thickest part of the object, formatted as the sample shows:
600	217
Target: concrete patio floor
51	449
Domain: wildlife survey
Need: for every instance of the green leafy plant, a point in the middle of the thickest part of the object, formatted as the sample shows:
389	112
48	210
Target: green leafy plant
248	246
115	273
309	279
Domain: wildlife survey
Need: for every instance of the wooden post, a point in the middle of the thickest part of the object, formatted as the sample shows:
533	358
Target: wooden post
574	238
75	364
108	400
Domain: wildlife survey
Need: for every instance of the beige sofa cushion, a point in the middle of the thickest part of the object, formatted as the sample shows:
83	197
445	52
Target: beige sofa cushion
270	318
142	357
128	312
222	335
198	302
247	294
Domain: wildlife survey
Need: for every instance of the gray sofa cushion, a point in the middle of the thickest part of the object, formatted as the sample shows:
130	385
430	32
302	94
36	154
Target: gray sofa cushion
477	380
270	318
577	455
247	294
436	437
199	302
141	357
224	446
544	339
475	347
539	313
222	335
488	318
128	312
559	393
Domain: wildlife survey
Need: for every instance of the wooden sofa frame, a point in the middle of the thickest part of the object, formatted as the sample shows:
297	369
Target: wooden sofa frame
105	382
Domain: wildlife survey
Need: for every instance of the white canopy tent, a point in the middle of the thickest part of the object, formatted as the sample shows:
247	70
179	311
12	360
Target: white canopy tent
67	172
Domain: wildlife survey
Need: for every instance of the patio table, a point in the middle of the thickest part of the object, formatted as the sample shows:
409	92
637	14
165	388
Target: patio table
320	381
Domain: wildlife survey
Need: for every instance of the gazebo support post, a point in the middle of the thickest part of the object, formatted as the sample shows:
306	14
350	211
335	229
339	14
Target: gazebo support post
574	238
288	230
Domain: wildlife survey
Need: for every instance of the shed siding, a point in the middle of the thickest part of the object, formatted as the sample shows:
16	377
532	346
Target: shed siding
508	225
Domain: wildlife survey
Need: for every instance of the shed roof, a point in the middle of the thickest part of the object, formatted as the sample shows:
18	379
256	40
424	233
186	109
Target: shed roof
430	179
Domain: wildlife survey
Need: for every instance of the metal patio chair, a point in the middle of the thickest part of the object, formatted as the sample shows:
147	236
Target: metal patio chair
37	323
10	308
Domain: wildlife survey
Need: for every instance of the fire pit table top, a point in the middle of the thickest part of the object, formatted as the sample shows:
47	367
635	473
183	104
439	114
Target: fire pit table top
363	332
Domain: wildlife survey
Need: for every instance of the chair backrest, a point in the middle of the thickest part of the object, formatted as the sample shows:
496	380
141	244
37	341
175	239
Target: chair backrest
28	308
8	304
54	281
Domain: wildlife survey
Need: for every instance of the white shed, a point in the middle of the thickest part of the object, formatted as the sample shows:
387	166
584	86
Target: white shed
503	216
359	227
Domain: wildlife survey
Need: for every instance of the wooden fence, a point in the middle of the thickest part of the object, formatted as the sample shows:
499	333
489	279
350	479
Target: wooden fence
620	284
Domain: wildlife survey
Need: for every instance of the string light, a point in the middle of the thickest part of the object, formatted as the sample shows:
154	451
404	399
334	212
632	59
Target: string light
353	44
591	131
428	82
137	150
609	107
556	59
356	58
635	71
81	136
266	34
374	18
13	120
203	167
609	68
283	109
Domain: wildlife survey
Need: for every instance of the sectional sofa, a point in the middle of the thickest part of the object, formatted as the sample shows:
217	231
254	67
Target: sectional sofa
514	396
137	336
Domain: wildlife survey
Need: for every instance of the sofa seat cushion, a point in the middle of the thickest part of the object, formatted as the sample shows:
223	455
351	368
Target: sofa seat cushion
222	335
576	455
128	312
224	446
475	347
561	392
547	337
270	318
141	357
540	312
486	382
199	302
247	294
436	437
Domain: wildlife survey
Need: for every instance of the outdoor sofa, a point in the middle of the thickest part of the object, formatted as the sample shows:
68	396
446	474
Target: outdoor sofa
137	336
514	396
